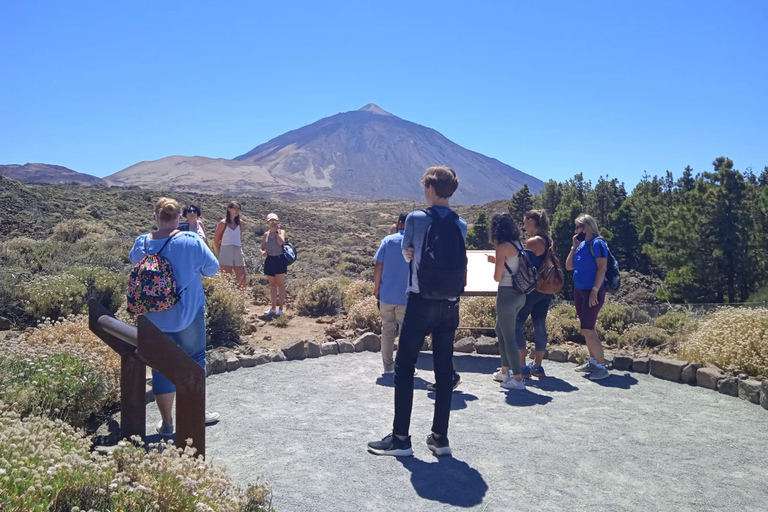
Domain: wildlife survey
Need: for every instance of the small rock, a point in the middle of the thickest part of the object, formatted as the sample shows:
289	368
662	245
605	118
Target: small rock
559	355
729	386
764	394
266	357
325	320
328	348
278	356
295	351
107	434
313	349
345	346
622	362
667	369
708	377
216	361
749	390
487	345
247	361
372	342
233	363
689	373
641	364
329	339
5	324
465	345
261	323
267	337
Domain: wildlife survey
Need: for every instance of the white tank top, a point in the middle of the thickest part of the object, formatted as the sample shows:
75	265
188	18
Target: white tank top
231	236
514	264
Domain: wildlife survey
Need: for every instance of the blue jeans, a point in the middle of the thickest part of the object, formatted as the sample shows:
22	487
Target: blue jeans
422	318
537	306
192	341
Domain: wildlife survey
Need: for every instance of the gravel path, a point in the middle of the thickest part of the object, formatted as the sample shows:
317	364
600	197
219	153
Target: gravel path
631	442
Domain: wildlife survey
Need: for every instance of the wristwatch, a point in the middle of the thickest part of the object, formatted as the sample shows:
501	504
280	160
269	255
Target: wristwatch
596	288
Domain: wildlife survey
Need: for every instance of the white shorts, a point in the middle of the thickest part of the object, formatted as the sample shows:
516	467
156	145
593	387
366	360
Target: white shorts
231	256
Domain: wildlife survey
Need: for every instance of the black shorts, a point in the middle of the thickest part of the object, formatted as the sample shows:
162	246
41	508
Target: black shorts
275	265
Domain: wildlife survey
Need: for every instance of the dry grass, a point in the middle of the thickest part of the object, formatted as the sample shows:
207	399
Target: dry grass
365	315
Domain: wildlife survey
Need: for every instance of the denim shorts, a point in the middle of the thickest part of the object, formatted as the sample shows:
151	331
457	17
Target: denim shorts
192	341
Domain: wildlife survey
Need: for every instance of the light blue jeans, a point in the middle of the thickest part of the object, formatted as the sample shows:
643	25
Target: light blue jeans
192	341
509	302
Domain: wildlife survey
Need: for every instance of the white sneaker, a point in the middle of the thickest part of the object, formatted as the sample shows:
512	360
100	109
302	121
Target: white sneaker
500	376
211	417
512	383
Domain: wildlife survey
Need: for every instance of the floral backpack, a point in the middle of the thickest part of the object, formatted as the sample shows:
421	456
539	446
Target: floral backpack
152	286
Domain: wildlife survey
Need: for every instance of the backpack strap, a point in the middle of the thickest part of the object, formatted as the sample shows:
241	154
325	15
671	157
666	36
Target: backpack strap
519	248
166	242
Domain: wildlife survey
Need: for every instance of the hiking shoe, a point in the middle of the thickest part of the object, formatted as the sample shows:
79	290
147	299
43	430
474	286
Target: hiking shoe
500	376
439	446
211	417
392	445
537	370
388	372
456	381
269	312
512	383
526	372
164	430
599	373
586	367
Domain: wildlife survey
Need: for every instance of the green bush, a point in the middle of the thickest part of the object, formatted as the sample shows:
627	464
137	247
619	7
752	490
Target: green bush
671	321
636	315
225	306
614	317
29	254
644	336
356	292
477	312
107	287
72	230
365	315
13	299
56	296
611	338
563	325
322	297
282	321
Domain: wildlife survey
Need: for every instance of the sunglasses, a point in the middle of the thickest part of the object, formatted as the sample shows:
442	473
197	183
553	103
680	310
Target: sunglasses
234	208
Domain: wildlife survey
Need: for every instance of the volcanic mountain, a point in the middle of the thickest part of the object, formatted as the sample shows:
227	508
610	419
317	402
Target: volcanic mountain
365	154
47	173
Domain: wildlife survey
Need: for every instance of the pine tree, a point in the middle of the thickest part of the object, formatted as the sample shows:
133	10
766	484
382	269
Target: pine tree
521	202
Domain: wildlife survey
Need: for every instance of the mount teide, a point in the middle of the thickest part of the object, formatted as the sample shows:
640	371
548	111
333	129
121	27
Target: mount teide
365	154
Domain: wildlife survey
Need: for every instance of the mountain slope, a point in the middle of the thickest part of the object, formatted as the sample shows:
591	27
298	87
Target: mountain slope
47	173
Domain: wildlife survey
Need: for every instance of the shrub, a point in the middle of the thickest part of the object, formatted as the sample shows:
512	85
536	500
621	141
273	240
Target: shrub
282	321
46	465
636	315
56	296
611	338
259	289
644	336
356	292
477	312
225	305
581	354
732	338
322	297
365	315
671	321
563	325
613	317
107	287
27	253
72	230
13	299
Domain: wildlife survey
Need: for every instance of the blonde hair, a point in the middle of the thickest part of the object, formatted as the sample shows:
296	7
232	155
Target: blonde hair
589	221
540	218
167	209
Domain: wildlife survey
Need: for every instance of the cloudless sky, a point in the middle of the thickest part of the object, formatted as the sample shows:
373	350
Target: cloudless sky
552	88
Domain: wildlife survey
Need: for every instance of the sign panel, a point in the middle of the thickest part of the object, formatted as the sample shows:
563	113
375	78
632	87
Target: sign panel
480	274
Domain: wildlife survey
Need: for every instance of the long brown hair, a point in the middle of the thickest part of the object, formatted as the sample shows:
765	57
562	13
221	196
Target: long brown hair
540	218
233	204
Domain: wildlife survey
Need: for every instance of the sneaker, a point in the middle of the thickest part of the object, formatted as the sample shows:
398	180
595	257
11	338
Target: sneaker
512	383
388	372
269	312
526	372
599	373
456	381
164	430
586	367
500	376
211	417
279	312
439	446
392	445
537	370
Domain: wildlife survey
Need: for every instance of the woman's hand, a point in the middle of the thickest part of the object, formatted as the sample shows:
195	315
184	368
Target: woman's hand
263	253
409	254
491	258
593	298
575	240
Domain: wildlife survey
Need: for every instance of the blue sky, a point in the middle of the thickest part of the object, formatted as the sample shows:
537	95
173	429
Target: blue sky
552	88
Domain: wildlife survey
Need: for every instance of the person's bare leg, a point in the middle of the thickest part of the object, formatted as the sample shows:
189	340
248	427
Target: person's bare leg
165	406
280	281
538	357
240	273
227	269
523	355
273	291
594	345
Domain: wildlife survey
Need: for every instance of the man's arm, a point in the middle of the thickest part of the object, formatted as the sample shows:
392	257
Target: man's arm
377	271
407	243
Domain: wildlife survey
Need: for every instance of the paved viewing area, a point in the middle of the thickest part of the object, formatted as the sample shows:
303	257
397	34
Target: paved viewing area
631	442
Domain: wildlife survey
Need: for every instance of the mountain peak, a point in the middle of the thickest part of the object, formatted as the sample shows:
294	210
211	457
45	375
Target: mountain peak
372	107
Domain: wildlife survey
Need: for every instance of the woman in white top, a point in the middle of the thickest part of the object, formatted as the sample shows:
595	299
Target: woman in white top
505	236
192	213
229	244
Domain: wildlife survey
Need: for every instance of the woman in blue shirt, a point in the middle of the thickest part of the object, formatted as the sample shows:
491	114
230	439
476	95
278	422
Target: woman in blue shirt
184	322
589	288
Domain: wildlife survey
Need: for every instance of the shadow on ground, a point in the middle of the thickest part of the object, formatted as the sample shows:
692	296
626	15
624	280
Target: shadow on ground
447	480
625	381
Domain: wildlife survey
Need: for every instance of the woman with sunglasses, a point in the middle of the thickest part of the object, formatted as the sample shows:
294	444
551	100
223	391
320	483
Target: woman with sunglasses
229	244
192	214
589	260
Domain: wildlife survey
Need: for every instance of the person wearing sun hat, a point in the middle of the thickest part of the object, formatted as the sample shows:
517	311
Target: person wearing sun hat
275	264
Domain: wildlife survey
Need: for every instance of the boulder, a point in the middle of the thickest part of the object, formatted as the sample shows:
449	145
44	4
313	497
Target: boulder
216	361
278	356
328	348
233	363
764	394
5	324
622	362
641	364
265	357
487	345
749	390
108	433
248	361
296	350
465	345
688	375
708	377
559	355
667	369
729	386
313	349
345	346
372	342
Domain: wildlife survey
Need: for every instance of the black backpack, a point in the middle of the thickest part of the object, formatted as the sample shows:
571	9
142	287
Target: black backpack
612	277
443	264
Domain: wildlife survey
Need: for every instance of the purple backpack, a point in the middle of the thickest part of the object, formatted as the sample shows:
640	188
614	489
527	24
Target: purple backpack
152	286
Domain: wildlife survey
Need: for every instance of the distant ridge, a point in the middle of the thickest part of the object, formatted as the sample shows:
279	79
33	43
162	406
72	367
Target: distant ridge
47	173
